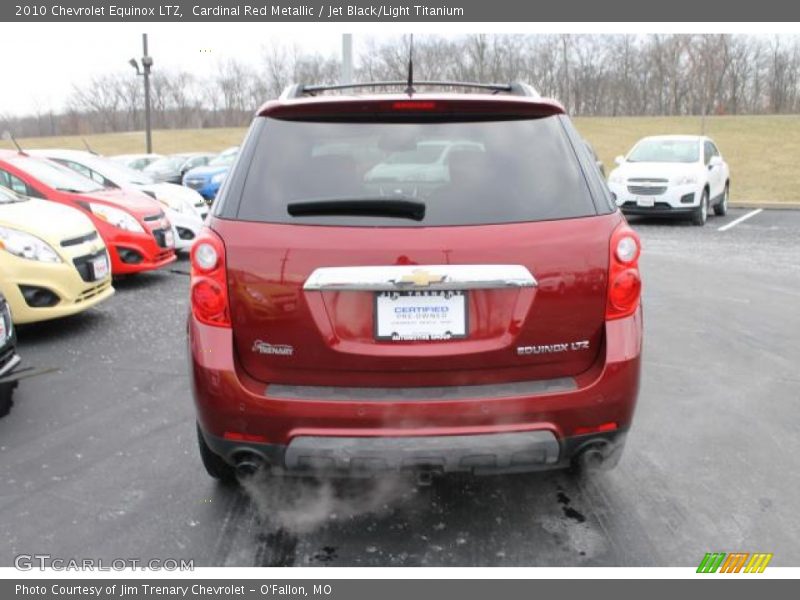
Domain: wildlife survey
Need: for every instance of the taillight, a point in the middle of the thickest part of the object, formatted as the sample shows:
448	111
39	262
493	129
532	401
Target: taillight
624	282
209	282
605	427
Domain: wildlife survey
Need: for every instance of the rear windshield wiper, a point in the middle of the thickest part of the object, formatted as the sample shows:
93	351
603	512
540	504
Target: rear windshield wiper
401	208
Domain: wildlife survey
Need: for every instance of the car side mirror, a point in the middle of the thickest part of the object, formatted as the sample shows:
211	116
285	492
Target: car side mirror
619	160
715	161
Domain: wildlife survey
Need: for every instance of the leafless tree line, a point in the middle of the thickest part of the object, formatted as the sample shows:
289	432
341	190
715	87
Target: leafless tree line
613	75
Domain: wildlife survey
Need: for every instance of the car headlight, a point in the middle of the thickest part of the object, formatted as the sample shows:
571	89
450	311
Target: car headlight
116	217
686	180
27	246
218	178
615	178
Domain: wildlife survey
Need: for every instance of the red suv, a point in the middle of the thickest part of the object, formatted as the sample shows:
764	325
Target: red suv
436	282
135	230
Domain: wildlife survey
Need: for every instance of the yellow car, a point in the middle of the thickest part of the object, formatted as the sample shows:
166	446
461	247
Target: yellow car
53	263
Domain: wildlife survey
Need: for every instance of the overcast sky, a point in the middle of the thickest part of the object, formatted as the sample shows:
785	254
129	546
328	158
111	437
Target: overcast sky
41	62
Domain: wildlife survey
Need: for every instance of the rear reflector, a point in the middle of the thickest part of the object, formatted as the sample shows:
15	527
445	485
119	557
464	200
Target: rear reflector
611	426
235	436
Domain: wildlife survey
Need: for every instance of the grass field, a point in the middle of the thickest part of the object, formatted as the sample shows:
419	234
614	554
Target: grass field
763	151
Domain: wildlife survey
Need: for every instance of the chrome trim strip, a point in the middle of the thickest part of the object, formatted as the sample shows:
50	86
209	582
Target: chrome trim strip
9	366
419	277
519	389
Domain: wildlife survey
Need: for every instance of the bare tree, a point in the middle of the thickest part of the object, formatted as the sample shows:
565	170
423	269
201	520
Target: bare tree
655	74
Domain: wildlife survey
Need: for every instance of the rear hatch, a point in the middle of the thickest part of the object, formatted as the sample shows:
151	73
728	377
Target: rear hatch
489	269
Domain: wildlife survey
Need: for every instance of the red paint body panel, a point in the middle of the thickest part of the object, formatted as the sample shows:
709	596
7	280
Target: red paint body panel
138	205
333	332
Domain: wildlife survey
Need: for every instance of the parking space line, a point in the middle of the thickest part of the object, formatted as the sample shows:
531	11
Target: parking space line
752	213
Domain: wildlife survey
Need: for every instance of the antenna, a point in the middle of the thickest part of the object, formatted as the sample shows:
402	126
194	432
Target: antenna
410	89
8	136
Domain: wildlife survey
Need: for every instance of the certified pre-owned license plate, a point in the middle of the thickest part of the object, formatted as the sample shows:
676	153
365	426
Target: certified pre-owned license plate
100	267
425	315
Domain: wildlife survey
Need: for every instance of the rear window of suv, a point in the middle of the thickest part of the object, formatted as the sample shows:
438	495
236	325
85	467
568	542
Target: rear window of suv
465	173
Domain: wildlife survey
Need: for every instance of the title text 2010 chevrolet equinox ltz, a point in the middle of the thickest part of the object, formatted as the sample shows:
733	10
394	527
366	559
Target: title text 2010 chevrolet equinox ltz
436	282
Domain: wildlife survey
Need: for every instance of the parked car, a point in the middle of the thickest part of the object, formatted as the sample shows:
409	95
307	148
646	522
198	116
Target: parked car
184	208
341	328
672	176
136	161
132	225
172	168
207	180
52	260
9	359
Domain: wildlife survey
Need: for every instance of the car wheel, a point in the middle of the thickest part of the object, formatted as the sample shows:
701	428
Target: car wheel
721	208
700	214
6	393
215	466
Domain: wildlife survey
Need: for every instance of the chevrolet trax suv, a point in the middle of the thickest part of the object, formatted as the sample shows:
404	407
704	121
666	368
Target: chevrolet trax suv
483	317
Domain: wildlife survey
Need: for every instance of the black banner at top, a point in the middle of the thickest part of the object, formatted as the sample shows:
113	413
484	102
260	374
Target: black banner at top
467	11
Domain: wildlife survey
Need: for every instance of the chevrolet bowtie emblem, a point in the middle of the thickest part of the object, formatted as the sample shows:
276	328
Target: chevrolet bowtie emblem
421	278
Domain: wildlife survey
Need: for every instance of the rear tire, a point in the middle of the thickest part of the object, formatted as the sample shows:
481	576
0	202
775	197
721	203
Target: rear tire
700	214
215	466
6	400
721	208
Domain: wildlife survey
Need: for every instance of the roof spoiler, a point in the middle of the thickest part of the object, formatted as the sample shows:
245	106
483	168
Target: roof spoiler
299	90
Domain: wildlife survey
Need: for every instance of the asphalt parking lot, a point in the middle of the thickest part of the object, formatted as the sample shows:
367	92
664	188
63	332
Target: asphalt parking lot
98	459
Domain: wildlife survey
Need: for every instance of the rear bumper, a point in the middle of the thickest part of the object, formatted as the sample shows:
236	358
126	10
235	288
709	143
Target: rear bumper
479	454
526	427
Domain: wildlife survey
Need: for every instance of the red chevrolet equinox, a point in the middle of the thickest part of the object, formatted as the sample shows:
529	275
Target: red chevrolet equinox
434	282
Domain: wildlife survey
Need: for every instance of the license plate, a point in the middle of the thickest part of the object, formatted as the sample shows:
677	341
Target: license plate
100	267
415	316
645	202
169	238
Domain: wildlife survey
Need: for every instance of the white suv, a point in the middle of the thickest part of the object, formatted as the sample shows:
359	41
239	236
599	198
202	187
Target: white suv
672	175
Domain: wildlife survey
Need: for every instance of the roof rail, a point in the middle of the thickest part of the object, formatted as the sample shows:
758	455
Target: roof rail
299	90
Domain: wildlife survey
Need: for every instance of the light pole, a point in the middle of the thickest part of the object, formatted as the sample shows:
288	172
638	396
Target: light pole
147	63
347	58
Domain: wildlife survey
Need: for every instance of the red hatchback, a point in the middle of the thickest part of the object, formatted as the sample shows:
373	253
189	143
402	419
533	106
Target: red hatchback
427	282
134	228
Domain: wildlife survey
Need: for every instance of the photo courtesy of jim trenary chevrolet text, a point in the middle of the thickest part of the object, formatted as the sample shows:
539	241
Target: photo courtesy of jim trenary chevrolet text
431	299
